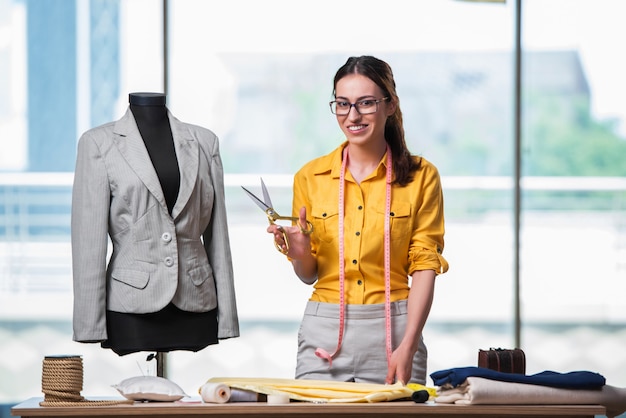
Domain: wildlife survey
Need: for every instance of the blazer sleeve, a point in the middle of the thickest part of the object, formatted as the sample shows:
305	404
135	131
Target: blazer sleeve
89	232
217	246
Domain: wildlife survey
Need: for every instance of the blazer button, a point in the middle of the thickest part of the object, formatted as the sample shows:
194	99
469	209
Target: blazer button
167	237
169	261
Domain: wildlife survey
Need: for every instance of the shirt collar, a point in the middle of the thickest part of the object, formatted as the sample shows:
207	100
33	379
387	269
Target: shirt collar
331	163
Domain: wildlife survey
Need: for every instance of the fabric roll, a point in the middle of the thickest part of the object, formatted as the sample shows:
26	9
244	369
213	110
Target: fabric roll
215	393
239	395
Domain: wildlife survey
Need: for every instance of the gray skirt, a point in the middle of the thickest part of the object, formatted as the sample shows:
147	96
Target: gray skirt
363	353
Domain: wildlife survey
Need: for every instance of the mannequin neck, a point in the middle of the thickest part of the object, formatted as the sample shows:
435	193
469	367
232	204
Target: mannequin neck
148	108
151	116
147	99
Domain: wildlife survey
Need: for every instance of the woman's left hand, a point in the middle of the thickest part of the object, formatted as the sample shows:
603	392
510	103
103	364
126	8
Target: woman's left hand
400	365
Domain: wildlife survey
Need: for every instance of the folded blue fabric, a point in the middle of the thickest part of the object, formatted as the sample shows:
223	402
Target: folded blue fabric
570	380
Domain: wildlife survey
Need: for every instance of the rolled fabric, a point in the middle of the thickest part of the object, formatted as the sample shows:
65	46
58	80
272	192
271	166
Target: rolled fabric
240	395
215	393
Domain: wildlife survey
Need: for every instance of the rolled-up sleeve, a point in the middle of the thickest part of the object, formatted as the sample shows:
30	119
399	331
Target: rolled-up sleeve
427	242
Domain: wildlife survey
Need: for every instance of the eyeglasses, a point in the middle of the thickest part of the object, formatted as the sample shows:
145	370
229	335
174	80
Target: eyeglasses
363	107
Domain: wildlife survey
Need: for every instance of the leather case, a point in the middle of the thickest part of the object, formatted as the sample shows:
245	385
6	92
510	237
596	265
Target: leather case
503	360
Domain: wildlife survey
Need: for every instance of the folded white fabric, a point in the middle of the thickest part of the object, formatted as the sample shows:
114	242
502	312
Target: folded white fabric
481	391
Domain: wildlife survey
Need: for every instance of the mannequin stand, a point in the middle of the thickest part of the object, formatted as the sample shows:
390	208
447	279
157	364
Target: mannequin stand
161	363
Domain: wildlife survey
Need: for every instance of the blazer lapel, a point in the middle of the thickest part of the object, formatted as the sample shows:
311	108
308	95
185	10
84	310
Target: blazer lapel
131	146
187	149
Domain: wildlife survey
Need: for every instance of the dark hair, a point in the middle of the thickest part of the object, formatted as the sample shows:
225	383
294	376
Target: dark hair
380	73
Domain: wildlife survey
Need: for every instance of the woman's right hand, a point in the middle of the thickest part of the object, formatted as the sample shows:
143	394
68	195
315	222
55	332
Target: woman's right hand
299	242
299	252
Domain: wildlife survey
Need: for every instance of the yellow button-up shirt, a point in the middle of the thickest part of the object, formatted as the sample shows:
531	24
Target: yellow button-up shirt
417	228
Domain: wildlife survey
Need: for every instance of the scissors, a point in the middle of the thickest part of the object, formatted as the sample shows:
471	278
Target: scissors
273	216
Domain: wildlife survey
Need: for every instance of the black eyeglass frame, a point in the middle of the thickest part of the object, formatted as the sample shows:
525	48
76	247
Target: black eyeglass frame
355	104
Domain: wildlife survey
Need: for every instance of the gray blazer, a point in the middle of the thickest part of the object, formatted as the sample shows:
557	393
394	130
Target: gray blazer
156	258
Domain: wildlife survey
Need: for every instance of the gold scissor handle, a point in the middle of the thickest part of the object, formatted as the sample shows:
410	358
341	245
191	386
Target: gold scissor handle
272	216
305	231
284	249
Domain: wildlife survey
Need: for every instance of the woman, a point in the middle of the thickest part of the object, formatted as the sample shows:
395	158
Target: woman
377	213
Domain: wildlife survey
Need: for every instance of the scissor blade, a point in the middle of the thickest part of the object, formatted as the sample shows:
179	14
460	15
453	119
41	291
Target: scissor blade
256	200
266	195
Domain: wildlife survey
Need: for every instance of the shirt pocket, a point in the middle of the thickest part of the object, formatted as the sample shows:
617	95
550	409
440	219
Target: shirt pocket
401	222
325	218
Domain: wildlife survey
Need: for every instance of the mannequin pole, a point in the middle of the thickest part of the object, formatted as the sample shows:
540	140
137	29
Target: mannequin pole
161	364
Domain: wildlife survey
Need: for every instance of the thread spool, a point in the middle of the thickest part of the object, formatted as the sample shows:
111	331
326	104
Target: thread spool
420	396
277	399
62	382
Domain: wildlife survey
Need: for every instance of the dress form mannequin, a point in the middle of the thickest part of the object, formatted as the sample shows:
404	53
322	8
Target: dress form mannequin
171	328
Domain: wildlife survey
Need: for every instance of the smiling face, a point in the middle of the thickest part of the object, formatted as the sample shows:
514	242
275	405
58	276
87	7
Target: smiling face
362	129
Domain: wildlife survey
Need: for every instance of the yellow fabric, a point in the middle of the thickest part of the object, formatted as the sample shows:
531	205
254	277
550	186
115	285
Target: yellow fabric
417	228
324	390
